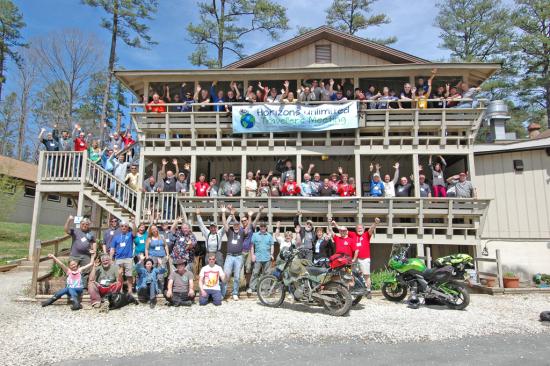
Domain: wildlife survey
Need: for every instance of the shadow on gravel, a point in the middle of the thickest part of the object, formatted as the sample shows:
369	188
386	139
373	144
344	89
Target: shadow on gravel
303	308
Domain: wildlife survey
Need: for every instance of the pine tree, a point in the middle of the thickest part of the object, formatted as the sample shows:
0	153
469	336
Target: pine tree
225	23
126	19
352	16
11	23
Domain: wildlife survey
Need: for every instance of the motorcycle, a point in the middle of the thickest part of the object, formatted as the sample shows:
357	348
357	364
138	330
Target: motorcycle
356	281
306	283
424	284
460	263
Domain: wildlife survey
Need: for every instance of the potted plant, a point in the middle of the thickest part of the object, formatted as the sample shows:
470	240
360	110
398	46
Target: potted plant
490	282
511	280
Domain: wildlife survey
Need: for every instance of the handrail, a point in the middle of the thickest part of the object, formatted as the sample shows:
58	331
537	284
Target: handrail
60	166
111	186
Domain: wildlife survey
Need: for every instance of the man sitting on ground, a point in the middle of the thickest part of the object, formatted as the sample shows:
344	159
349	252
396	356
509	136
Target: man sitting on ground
104	280
209	282
181	290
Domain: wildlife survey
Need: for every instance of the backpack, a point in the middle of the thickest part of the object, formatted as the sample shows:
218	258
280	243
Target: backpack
339	260
120	299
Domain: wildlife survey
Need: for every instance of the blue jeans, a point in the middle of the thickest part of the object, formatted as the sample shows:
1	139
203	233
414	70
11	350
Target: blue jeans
214	294
232	265
148	292
70	292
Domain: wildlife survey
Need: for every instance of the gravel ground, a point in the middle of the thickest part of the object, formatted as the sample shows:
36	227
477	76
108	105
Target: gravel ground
33	335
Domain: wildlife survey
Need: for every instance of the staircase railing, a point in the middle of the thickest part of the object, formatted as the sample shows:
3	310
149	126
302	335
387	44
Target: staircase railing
111	186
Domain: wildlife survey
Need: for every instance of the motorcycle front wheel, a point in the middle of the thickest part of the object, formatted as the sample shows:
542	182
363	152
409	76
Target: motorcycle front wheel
394	291
342	300
271	291
461	299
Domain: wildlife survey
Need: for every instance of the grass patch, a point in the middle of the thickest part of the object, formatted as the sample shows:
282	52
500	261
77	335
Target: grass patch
14	239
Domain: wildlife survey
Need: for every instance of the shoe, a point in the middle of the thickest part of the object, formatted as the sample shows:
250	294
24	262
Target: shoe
235	297
75	304
369	295
249	291
50	301
152	304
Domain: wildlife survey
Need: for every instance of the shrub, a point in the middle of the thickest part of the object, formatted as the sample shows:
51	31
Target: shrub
379	277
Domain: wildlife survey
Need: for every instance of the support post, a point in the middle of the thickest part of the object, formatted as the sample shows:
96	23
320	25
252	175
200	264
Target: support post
429	257
35	222
146	92
193	174
298	170
243	177
35	267
471	168
499	269
139	198
416	176
358	185
420	250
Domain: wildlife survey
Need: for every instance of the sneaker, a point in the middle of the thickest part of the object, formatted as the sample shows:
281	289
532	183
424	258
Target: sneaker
235	297
152	304
369	295
249	291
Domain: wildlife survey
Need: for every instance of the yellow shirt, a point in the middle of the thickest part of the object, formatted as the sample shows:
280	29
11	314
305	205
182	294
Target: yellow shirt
133	181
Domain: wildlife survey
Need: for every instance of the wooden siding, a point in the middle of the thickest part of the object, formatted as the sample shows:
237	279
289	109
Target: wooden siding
341	56
521	201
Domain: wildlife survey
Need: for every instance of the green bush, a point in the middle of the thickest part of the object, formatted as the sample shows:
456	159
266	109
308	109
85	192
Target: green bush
379	277
56	269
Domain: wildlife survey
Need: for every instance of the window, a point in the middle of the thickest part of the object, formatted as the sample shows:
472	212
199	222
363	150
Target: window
323	54
70	202
54	198
30	191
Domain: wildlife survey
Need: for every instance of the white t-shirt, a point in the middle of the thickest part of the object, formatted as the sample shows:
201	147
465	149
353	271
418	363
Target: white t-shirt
251	187
389	189
211	277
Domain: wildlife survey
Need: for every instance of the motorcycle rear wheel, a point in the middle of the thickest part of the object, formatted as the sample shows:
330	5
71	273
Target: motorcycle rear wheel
343	299
396	294
271	291
462	300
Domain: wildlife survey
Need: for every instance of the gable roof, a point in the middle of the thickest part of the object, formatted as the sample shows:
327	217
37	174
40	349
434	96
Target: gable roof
324	32
18	169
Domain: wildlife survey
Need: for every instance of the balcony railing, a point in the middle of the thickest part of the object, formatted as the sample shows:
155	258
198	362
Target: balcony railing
432	126
60	166
399	216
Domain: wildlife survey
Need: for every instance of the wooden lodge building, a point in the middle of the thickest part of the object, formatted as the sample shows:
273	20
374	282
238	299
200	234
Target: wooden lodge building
207	141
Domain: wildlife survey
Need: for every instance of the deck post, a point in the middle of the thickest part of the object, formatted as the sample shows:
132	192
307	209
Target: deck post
499	269
35	267
35	221
416	176
139	198
298	176
243	177
358	186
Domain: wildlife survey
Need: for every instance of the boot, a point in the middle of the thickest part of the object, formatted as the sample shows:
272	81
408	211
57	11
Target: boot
75	304
50	301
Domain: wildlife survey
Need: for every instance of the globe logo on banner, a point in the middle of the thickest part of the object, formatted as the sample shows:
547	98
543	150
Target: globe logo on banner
247	120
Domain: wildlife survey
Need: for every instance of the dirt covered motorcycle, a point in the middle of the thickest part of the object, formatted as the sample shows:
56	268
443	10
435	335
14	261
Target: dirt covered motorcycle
308	284
424	284
350	274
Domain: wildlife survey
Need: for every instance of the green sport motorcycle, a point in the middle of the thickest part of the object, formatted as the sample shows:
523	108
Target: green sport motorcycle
308	284
424	284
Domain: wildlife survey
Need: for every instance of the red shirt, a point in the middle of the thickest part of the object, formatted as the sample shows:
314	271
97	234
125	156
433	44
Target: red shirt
344	245
80	144
201	189
346	190
156	107
291	189
362	244
128	141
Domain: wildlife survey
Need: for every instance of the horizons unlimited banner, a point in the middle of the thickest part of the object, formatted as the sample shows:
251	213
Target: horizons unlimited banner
294	117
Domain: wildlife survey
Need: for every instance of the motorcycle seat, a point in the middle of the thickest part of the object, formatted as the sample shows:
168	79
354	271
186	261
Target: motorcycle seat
315	271
431	273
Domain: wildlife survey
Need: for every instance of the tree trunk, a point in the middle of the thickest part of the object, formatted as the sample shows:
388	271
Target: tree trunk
22	124
547	104
221	30
1	70
107	91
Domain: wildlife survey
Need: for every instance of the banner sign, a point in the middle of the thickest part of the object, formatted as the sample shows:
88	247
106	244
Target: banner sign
258	118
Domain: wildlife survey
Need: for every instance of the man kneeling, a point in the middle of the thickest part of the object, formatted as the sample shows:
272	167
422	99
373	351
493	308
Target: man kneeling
104	280
180	290
209	282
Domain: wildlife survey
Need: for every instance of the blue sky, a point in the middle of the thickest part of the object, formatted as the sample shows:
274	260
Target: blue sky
412	23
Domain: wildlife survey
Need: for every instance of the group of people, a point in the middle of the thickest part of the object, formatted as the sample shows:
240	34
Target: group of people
337	184
411	96
147	261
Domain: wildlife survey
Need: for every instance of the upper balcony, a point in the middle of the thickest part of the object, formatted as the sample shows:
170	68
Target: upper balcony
401	129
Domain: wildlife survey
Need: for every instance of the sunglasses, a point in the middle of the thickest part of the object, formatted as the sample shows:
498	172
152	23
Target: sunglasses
211	259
